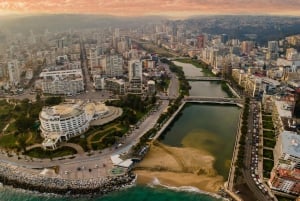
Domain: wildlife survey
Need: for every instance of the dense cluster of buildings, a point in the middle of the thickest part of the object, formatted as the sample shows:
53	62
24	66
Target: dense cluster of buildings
286	173
269	73
63	64
52	63
285	176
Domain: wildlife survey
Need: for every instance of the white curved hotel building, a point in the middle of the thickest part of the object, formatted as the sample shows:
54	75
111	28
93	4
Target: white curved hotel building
61	122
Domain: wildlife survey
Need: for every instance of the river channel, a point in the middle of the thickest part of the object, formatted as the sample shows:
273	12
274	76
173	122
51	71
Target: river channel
207	127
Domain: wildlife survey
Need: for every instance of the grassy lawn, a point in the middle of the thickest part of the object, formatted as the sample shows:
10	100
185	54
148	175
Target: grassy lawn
101	131
8	141
269	134
99	135
35	138
268	125
268	154
41	153
11	140
80	140
267	167
5	113
11	128
106	141
269	143
279	198
267	118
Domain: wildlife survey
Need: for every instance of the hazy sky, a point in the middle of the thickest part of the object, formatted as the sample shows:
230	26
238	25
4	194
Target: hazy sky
180	8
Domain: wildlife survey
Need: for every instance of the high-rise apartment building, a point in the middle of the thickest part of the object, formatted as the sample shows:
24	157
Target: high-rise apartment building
14	72
135	69
247	47
114	66
200	41
135	75
62	82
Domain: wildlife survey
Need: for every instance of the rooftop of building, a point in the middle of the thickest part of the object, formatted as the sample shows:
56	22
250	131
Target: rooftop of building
69	109
151	82
283	109
291	143
62	110
92	108
61	72
119	81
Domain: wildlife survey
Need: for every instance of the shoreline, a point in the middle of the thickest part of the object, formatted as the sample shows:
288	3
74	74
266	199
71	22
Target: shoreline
177	167
18	179
179	180
156	182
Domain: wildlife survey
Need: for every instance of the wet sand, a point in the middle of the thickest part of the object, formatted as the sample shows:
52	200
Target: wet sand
179	166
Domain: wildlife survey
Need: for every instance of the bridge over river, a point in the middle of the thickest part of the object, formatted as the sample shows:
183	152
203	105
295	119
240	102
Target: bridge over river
199	99
220	100
202	78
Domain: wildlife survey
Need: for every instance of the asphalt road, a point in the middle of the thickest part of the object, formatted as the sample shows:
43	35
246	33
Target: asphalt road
103	156
87	79
261	196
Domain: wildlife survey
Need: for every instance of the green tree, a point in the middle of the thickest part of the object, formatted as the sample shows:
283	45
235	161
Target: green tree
22	143
24	123
54	100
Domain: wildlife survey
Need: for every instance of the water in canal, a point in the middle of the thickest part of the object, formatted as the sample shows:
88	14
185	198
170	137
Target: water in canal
207	127
201	88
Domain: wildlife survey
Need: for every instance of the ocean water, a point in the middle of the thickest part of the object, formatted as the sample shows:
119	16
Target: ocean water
136	193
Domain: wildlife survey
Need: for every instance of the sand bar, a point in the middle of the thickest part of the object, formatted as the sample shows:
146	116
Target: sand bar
179	166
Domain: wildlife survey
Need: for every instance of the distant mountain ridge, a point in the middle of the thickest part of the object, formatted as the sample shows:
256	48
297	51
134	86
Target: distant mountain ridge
62	22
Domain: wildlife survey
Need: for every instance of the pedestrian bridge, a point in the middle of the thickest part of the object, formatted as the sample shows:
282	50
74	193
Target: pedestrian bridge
219	100
202	78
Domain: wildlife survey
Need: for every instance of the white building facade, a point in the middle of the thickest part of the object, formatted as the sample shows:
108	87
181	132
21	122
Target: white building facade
61	122
64	82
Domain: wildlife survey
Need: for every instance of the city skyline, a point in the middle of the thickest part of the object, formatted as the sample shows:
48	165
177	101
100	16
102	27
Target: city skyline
172	8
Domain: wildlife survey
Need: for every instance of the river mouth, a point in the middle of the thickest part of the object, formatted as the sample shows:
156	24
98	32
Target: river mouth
196	148
179	166
208	128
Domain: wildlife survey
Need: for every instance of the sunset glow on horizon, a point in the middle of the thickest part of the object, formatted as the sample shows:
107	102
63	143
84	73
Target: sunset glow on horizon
154	7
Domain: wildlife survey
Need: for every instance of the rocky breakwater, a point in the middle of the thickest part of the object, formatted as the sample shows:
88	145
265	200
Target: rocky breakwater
19	177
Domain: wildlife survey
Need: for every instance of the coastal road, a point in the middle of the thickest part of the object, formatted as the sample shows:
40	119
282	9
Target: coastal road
133	138
103	156
247	160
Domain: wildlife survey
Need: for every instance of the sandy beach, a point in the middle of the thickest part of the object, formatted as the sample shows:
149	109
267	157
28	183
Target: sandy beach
179	166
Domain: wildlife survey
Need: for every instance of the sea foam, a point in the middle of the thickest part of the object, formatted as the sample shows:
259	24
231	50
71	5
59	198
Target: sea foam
191	189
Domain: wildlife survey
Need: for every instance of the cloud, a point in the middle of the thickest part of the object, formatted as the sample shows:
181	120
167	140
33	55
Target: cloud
145	7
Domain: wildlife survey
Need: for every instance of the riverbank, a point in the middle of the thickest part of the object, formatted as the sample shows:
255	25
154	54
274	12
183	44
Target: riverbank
19	177
198	64
179	166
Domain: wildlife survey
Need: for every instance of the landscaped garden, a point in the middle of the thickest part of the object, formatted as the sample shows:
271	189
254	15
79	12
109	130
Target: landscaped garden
19	123
268	125
269	134
39	152
269	143
268	154
267	167
100	137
